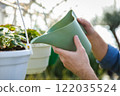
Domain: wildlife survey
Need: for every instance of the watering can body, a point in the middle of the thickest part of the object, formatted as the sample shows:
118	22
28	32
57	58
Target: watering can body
61	34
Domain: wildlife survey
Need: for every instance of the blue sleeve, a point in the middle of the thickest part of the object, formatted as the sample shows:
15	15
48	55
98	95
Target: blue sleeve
111	61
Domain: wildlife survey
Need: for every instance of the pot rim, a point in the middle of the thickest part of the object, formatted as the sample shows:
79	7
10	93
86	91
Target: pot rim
18	53
40	45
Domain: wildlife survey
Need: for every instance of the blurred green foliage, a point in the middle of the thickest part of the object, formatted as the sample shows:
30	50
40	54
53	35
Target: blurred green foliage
14	38
10	39
32	33
110	17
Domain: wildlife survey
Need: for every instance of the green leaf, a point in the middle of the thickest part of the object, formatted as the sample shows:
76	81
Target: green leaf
1	29
12	28
13	42
22	44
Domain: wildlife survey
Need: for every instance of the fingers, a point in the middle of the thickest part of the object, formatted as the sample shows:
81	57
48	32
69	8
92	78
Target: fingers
77	43
60	51
84	22
62	58
87	26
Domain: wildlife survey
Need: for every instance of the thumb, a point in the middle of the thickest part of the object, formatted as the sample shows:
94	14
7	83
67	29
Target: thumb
77	43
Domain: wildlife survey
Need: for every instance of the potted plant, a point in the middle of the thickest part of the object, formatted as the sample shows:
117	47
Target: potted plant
13	55
39	60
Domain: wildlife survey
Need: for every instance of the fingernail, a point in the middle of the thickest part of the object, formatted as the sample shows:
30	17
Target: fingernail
76	36
80	19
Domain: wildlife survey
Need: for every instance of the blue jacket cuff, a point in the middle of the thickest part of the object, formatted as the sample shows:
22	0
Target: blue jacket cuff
110	58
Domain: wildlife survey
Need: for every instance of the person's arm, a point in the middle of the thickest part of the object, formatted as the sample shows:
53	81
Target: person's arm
77	61
99	47
108	56
111	60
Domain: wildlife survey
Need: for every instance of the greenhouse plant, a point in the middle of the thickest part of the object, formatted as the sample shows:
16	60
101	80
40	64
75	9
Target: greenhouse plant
13	53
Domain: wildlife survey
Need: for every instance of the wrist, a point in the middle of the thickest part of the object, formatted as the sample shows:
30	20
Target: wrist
98	44
92	36
86	74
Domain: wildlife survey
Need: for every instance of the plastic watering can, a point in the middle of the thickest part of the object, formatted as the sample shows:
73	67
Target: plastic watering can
61	34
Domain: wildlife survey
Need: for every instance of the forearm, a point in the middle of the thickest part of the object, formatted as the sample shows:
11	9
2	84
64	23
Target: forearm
87	74
99	47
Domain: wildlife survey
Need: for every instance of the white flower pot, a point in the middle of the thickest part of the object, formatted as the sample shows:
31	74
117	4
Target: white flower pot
39	60
13	64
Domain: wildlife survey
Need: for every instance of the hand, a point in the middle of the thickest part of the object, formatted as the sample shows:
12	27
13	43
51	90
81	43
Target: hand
77	61
88	27
96	41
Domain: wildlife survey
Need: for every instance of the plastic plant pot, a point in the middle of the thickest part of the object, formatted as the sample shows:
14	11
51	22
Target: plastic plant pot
13	64
39	60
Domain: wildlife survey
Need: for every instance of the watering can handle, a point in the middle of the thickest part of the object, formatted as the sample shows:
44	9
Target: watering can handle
28	46
79	23
83	28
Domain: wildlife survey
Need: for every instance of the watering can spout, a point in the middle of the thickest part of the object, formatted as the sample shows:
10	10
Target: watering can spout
61	34
40	39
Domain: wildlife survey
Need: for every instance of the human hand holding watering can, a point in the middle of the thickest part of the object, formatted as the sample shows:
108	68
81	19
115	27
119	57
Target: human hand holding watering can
96	41
78	61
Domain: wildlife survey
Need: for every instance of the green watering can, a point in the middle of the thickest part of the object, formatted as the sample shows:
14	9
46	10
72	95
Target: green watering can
61	34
